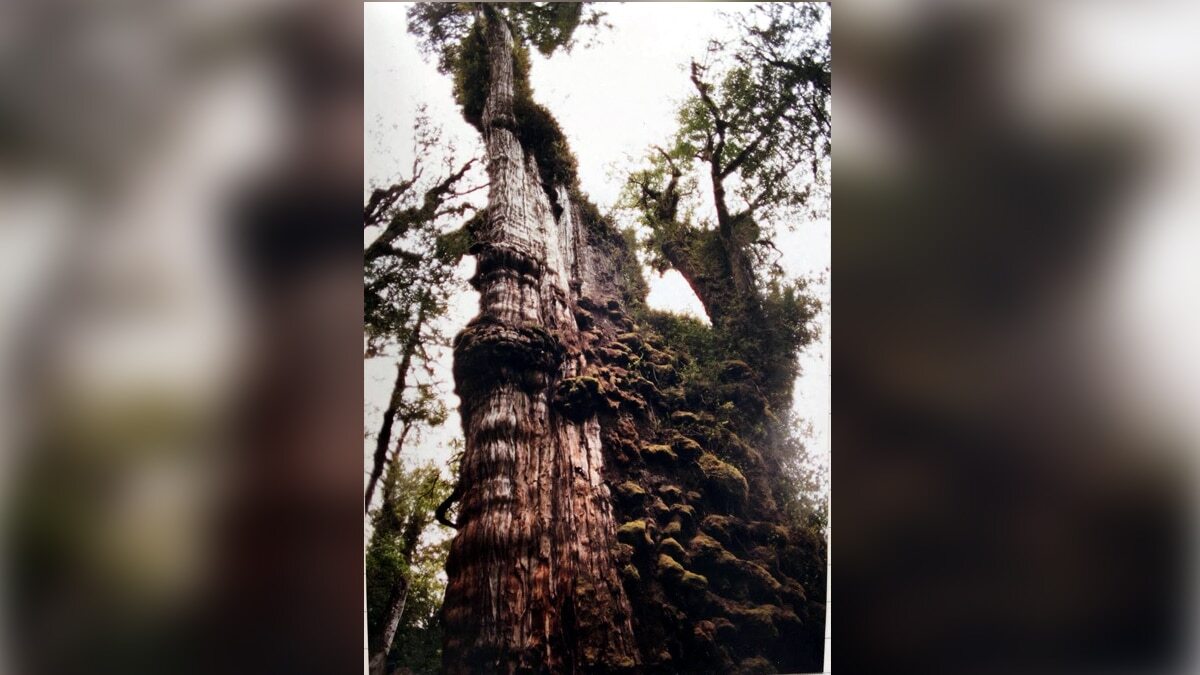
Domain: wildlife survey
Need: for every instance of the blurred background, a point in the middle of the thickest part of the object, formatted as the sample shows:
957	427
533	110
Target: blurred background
1018	304
180	398
1015	410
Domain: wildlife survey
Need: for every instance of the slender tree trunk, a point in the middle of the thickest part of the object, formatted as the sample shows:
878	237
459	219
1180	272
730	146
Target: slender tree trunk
395	613
384	439
413	527
533	584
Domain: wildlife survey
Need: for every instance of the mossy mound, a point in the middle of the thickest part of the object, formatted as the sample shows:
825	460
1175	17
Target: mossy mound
672	548
635	533
724	477
724	528
669	568
671	494
683	418
660	453
693	581
631	492
579	397
686	447
684	513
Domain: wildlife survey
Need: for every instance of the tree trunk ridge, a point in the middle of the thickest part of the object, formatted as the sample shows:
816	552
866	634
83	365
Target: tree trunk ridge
533	585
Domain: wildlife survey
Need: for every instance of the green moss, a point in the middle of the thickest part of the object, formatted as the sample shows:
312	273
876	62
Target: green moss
635	533
723	528
672	548
724	477
769	533
630	572
684	512
673	529
632	341
669	568
469	64
673	397
757	621
686	447
696	582
705	547
755	581
631	492
579	397
452	246
622	357
672	494
660	453
660	373
684	418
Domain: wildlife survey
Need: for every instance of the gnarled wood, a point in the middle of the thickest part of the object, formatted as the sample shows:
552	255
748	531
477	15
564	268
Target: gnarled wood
532	581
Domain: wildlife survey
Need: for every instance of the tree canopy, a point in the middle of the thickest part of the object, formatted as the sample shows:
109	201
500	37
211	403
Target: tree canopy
756	135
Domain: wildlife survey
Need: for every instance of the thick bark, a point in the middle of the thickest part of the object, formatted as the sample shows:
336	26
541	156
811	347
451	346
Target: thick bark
533	583
384	439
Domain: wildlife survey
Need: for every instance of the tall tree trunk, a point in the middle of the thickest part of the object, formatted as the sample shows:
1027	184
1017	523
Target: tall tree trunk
384	439
533	584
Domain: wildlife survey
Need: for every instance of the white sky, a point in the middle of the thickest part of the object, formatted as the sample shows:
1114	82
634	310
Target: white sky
613	99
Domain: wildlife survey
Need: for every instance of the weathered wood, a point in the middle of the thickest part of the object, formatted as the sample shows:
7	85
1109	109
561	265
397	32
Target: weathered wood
532	582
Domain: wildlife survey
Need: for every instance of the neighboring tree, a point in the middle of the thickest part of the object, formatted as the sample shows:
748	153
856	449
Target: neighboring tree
757	132
403	590
409	269
409	278
618	499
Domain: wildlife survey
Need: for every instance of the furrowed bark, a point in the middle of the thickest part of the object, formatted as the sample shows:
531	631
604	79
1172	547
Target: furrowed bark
532	580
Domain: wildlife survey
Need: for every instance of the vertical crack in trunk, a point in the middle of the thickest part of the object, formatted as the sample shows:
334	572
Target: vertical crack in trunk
533	583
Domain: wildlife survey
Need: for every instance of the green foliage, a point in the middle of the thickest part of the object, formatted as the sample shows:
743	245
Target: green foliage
542	137
547	26
408	548
409	268
468	62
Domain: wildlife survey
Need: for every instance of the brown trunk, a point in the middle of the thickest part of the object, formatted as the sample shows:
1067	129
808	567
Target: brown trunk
533	583
384	439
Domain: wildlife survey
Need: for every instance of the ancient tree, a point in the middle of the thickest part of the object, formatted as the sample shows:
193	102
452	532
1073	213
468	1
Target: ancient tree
622	503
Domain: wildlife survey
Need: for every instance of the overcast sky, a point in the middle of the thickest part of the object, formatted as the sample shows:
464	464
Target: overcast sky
614	98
